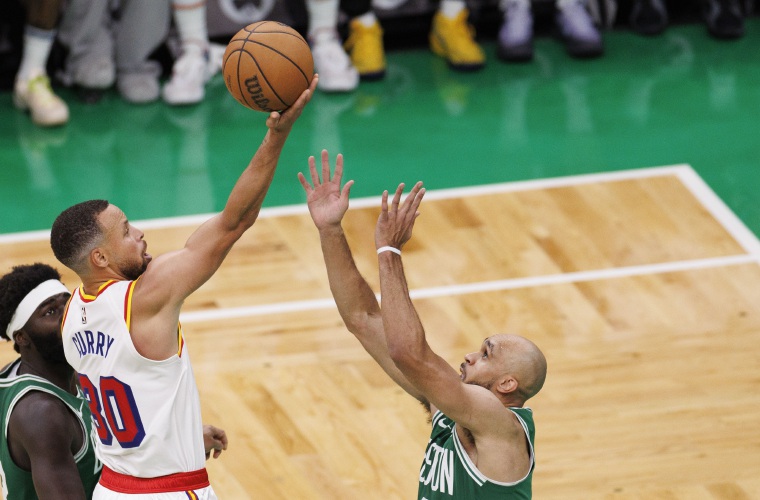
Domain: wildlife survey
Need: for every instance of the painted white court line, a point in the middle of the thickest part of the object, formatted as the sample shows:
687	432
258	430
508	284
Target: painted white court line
720	211
701	191
484	286
374	201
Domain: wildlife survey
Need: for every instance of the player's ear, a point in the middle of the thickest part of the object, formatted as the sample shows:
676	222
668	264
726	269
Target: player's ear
21	338
506	384
98	257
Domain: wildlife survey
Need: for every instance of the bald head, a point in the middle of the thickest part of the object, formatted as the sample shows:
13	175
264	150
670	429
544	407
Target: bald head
523	360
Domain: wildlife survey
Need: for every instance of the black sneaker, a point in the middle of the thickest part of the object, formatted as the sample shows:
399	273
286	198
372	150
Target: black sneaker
649	17
724	18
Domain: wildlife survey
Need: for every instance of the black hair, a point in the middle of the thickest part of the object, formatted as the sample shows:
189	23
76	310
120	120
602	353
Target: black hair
16	285
74	230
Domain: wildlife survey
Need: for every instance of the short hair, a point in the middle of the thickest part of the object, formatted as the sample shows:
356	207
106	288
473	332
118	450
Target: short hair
16	285
75	230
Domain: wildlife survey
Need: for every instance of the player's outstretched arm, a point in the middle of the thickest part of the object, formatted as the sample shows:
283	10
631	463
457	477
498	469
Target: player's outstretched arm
45	445
355	299
173	276
431	375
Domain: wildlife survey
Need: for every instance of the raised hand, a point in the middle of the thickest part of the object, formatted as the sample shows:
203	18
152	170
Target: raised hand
326	200
283	121
395	224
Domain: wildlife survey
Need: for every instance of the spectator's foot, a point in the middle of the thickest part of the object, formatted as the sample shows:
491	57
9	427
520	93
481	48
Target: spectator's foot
648	17
724	18
577	29
95	73
365	45
516	33
138	88
187	84
34	94
454	40
336	73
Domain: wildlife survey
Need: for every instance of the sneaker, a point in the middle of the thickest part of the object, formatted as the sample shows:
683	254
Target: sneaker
139	87
516	33
188	81
724	18
35	95
336	73
648	17
454	40
577	30
365	46
95	73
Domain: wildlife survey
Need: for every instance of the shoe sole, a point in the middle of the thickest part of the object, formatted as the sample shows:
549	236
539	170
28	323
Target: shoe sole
372	76
520	53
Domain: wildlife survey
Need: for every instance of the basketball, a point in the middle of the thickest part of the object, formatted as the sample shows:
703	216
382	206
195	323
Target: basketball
267	65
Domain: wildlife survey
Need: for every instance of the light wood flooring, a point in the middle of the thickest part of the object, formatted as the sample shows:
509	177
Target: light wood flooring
642	292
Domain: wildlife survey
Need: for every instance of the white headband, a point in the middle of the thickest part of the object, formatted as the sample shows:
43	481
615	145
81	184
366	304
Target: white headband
31	302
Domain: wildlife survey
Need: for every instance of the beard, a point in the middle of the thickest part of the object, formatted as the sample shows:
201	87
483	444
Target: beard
485	385
50	348
134	270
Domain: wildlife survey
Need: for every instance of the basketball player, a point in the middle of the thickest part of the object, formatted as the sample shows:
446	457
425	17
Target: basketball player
50	457
121	333
481	444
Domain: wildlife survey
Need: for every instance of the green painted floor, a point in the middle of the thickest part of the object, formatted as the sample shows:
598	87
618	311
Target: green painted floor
678	98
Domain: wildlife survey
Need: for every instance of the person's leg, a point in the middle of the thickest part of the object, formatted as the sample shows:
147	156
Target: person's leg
336	73
32	88
141	27
365	39
192	69
452	38
85	30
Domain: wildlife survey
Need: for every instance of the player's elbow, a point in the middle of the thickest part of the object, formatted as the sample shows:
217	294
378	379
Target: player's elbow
401	355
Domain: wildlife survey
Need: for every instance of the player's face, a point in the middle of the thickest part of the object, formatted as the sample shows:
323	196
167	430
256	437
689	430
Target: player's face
482	367
44	328
125	244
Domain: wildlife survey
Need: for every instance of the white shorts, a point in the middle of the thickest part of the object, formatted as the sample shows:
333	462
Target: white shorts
102	493
183	486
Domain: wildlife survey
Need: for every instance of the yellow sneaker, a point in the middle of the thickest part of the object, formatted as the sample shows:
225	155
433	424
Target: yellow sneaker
35	95
454	40
365	46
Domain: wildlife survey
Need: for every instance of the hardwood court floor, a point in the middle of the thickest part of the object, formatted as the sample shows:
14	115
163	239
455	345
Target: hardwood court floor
642	290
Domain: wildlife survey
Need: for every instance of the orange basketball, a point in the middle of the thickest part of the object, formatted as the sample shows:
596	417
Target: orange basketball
267	65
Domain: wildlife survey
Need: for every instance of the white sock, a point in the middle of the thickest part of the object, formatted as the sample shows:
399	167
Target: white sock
369	19
190	20
37	45
323	17
451	8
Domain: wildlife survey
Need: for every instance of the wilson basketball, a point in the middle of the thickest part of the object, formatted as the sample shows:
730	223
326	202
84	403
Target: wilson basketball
267	65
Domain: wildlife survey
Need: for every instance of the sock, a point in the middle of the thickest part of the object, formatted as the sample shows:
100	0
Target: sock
190	20
37	45
451	8
368	20
323	17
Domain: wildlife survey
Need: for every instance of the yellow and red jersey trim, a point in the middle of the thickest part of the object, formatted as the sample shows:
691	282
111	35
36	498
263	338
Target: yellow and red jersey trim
89	298
128	304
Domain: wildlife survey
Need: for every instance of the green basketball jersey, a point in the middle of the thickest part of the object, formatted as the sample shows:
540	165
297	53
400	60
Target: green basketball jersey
448	473
16	483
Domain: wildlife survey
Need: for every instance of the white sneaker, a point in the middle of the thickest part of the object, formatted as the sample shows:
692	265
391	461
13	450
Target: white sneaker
189	76
336	73
35	94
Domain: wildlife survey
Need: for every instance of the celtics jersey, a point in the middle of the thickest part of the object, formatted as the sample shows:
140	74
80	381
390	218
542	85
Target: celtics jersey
16	483
448	473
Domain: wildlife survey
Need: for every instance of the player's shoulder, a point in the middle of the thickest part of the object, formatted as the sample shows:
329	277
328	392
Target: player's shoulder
28	411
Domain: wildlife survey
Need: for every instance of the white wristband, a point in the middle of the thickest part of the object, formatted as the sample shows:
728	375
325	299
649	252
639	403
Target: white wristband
388	249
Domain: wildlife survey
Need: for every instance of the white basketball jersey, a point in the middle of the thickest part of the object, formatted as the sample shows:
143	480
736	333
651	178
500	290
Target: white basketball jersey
147	413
